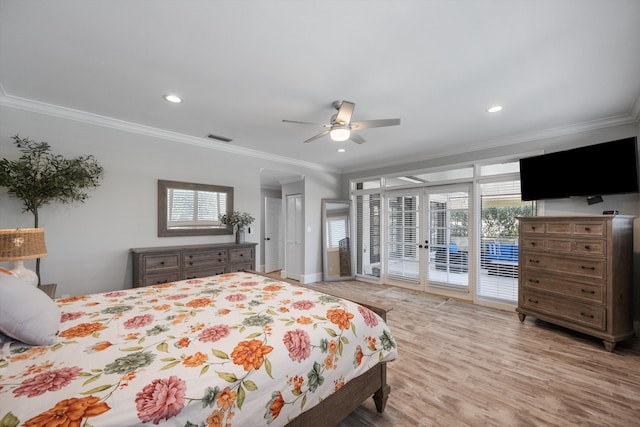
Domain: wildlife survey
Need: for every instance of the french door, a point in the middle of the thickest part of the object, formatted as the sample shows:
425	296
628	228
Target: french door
427	241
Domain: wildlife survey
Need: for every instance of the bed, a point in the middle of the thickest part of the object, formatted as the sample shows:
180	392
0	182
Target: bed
230	350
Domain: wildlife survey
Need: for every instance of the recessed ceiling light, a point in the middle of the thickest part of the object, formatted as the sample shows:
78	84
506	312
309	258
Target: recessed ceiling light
341	150
173	98
495	109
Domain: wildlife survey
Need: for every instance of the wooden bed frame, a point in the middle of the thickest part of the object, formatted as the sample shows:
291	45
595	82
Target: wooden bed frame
339	405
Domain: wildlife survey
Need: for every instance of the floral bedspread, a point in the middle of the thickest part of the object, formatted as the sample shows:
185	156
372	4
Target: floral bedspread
232	350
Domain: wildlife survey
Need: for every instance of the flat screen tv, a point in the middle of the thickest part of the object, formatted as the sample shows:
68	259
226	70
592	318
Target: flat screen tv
594	170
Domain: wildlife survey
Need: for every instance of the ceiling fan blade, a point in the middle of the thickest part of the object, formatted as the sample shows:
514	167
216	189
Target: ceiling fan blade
357	138
374	123
306	123
345	112
318	136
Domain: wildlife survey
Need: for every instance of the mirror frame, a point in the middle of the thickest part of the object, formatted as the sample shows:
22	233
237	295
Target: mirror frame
325	230
164	231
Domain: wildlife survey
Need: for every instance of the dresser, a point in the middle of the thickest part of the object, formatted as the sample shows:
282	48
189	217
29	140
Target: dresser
577	272
164	264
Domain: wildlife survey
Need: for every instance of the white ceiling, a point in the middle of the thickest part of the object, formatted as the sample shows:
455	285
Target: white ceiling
243	66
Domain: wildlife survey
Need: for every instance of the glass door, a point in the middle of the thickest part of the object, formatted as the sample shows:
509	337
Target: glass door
448	237
427	241
403	238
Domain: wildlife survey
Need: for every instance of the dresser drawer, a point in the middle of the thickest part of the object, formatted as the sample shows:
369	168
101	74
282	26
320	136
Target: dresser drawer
558	228
590	247
204	259
240	255
537	243
592	268
592	316
158	279
533	227
590	229
573	289
203	272
157	263
242	267
559	245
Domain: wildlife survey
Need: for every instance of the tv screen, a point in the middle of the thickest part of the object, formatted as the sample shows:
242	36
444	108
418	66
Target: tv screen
594	170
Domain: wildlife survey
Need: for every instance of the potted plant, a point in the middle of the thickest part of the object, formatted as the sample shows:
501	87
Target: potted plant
239	220
39	177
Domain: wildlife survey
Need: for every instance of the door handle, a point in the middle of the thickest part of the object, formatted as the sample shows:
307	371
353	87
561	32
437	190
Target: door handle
267	238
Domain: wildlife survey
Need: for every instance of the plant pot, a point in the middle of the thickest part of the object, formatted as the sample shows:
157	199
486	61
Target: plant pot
240	235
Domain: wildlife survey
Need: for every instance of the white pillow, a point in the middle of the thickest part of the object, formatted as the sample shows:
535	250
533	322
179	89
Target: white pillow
26	313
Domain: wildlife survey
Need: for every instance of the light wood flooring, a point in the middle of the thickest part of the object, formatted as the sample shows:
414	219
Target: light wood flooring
466	365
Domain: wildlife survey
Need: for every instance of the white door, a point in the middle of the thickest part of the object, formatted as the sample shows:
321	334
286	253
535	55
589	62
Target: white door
272	234
294	237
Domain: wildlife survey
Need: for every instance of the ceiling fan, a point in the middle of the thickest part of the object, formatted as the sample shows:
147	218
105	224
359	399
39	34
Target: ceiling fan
341	126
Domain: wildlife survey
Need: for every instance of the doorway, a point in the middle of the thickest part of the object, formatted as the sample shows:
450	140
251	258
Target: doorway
427	241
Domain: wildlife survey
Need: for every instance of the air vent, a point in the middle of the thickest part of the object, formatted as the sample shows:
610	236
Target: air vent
219	138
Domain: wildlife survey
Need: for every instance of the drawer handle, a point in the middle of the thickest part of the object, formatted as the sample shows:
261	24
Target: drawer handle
241	254
190	263
161	262
534	281
533	301
587	268
533	243
587	292
587	229
533	227
219	260
591	316
535	261
587	247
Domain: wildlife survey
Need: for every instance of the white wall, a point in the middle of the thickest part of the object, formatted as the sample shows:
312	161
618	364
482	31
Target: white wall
89	243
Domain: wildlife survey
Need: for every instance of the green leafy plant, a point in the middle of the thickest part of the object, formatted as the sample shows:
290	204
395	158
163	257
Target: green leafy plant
239	219
40	177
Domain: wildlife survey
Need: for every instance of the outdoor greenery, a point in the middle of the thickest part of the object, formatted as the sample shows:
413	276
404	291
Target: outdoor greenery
502	221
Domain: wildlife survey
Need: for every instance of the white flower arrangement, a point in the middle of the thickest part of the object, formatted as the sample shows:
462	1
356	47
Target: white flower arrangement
239	219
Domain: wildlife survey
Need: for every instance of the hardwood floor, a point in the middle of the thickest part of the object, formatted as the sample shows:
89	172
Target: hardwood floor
466	365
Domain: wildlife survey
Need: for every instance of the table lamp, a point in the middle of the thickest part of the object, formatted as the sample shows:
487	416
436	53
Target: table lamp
20	244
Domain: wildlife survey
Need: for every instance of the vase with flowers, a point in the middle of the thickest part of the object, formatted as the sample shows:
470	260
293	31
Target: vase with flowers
238	220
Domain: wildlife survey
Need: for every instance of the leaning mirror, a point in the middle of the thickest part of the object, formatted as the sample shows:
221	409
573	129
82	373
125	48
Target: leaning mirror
189	209
336	237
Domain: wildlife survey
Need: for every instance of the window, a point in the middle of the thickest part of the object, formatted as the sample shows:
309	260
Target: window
500	207
193	208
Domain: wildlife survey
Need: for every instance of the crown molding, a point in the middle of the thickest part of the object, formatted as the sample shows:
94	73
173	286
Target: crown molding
487	144
108	122
635	109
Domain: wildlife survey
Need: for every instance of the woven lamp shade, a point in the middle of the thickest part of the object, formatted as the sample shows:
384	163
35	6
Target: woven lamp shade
22	243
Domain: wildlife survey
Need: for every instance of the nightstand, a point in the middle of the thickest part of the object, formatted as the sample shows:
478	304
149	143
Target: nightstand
49	289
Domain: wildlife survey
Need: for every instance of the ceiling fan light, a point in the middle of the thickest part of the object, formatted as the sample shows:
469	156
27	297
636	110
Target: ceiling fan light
340	134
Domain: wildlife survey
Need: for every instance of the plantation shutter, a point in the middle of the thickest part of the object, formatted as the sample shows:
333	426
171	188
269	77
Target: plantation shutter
501	204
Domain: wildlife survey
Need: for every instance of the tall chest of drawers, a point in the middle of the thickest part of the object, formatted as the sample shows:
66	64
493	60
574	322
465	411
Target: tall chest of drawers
577	272
164	264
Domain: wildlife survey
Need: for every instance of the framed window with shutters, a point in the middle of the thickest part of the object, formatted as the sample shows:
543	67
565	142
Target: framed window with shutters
188	209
